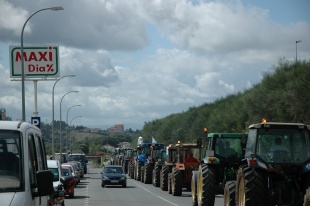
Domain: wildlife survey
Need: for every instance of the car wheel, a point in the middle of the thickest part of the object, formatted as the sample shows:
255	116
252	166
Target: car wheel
102	184
124	185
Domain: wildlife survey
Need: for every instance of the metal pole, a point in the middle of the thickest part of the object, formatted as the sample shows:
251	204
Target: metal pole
35	85
77	105
60	136
70	131
298	41
53	152
22	56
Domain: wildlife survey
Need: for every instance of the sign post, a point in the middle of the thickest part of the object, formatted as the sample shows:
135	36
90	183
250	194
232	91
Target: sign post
40	63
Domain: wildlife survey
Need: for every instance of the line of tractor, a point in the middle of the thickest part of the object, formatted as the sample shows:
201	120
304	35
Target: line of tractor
268	165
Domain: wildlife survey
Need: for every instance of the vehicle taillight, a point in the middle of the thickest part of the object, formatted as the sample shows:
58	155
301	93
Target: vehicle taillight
211	159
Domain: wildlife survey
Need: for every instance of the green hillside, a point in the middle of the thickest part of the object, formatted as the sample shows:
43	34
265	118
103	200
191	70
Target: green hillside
282	96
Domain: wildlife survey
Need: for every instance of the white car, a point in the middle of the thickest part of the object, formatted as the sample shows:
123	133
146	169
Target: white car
54	167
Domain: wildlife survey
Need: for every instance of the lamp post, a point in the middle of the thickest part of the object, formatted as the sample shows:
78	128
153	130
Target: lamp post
53	154
60	136
70	130
77	105
298	41
22	56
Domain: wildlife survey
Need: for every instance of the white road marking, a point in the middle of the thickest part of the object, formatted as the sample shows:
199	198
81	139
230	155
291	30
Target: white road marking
87	197
154	193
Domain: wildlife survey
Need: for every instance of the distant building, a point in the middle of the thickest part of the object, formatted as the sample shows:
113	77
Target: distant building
118	128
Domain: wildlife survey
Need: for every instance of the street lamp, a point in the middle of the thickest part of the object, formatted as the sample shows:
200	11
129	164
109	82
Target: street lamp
70	130
53	154
77	105
298	41
60	136
22	56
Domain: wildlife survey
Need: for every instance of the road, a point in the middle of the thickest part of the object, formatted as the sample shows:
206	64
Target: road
90	193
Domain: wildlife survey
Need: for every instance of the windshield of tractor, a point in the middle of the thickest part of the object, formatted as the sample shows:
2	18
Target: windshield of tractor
156	155
228	147
147	151
283	145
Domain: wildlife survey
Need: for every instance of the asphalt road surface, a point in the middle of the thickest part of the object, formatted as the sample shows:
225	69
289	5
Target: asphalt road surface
90	193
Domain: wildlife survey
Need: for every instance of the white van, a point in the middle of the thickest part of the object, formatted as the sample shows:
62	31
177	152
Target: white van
24	178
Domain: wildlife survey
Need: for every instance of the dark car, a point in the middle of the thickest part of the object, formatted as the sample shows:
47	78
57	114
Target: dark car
113	175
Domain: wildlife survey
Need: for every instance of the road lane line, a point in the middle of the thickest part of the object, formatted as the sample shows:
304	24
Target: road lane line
154	193
87	197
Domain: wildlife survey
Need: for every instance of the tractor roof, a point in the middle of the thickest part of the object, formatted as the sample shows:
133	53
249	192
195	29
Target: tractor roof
278	125
227	135
152	144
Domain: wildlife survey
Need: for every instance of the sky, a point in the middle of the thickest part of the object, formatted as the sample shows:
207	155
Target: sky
137	61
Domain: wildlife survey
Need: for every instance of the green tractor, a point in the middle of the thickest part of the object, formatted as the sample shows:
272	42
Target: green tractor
171	154
223	153
128	152
158	166
153	152
275	169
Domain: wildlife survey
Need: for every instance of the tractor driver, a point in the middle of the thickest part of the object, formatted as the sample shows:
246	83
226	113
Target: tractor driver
191	158
228	150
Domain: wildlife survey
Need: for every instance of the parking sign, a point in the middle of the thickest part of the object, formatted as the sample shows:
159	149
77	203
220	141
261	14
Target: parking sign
36	121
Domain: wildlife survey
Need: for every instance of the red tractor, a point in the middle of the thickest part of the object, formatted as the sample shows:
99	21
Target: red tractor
188	160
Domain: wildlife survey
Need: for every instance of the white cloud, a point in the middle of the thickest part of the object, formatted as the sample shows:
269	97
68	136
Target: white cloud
127	73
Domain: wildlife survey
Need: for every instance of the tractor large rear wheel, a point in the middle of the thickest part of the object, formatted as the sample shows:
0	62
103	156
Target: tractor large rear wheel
176	182
148	173
307	198
156	176
206	185
251	187
164	178
230	193
194	188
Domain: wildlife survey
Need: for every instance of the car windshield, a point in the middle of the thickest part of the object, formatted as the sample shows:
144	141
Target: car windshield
55	173
10	161
65	172
283	146
113	170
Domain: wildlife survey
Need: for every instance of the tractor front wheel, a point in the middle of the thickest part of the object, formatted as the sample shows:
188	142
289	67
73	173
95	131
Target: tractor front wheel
148	173
176	182
169	183
194	188
230	193
206	185
307	198
156	176
164	178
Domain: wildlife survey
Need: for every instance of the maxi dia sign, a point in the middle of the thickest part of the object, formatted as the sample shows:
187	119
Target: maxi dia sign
39	61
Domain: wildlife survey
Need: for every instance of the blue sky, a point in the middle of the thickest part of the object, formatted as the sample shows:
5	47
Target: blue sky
139	60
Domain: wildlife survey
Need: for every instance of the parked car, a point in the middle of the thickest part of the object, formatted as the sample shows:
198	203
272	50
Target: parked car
113	175
22	183
75	170
80	168
58	196
69	188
